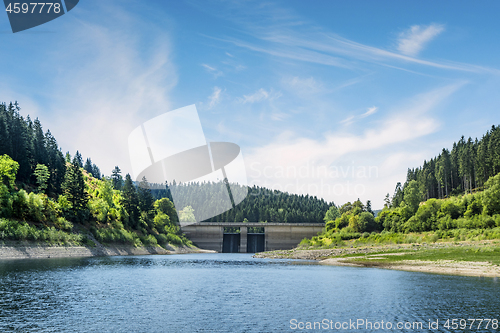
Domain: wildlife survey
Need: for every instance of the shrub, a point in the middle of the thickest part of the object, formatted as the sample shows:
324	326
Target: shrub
174	239
449	208
149	240
20	204
35	207
63	224
491	195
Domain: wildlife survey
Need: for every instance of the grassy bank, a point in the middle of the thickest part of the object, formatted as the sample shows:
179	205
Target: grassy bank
343	239
85	235
466	257
460	252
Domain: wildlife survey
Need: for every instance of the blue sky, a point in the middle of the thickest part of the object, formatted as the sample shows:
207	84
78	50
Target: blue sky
335	99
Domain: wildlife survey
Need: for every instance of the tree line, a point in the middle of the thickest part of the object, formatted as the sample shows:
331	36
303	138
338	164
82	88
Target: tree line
464	169
260	205
456	190
53	191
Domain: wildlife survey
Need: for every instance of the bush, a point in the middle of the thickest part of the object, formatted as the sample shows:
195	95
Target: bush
109	235
450	208
149	240
174	239
63	224
15	230
491	195
161	239
20	204
35	206
99	209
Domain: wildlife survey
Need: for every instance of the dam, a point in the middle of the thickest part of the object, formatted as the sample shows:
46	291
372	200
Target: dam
249	237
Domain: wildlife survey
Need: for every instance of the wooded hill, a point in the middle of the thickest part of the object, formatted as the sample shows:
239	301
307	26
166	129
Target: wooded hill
467	167
435	198
47	195
260	205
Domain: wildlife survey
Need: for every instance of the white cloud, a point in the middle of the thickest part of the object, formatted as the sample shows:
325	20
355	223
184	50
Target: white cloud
212	70
412	41
304	87
351	119
116	85
214	98
332	50
348	120
259	96
369	112
279	163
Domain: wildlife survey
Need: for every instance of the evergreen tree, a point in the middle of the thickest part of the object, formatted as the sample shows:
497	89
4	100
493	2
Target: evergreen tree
96	172
79	159
117	178
130	201
146	199
88	166
75	192
42	175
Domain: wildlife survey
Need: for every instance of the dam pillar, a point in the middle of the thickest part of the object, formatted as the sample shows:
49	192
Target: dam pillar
209	237
243	239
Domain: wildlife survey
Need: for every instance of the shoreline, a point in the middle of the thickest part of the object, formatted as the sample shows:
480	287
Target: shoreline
444	267
377	257
28	250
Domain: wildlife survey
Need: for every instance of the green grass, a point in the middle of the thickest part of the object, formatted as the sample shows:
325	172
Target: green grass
488	253
326	241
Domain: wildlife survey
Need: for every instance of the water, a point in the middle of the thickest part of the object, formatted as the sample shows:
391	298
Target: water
227	293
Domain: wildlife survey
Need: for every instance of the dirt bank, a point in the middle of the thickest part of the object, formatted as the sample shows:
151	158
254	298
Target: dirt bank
366	258
28	250
450	267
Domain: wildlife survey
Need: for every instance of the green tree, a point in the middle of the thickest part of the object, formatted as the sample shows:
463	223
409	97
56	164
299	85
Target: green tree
491	198
146	200
106	191
165	206
130	201
8	171
88	166
187	215
412	196
79	159
117	178
42	175
332	214
75	192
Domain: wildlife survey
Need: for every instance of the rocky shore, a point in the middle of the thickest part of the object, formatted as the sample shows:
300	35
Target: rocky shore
29	250
366	256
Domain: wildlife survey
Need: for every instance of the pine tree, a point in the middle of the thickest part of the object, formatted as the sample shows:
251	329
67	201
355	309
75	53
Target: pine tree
146	199
74	190
79	159
117	178
88	166
96	172
130	201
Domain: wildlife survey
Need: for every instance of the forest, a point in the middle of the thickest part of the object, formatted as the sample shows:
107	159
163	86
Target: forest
464	169
46	195
453	195
260	205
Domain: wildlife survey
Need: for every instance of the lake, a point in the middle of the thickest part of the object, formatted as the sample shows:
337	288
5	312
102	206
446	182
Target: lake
233	293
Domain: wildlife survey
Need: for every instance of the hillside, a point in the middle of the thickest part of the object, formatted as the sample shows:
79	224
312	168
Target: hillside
455	195
58	198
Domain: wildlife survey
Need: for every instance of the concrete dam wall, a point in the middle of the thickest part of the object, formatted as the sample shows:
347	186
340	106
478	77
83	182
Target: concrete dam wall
269	237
